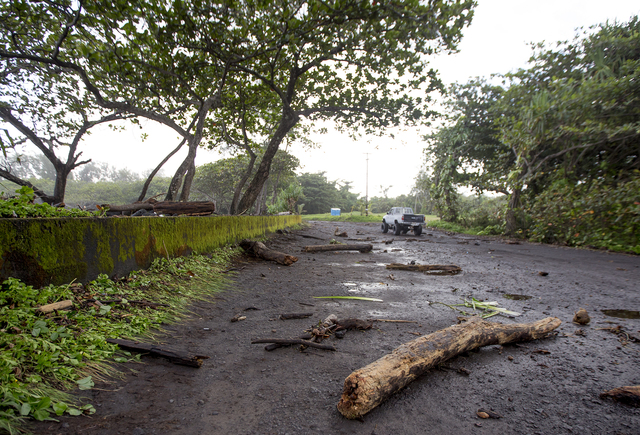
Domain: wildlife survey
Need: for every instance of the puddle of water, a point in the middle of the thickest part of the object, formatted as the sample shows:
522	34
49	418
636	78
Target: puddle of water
623	314
517	297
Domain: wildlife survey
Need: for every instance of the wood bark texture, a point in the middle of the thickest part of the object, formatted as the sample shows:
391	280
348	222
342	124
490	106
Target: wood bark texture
62	305
260	250
369	386
175	356
629	395
199	208
362	247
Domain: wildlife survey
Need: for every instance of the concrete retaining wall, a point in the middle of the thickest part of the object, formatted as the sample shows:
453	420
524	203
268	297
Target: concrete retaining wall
57	251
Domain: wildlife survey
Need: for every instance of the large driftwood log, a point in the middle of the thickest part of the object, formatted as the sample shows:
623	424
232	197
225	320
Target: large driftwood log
174	356
260	250
362	247
369	386
167	207
629	395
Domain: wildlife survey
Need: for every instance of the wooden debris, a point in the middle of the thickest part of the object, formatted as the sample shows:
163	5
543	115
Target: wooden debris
369	386
260	250
581	317
175	356
487	413
337	233
290	341
627	395
193	208
62	305
294	316
450	269
237	318
362	247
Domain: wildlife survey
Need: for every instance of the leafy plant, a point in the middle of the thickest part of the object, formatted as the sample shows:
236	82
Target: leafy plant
44	356
22	206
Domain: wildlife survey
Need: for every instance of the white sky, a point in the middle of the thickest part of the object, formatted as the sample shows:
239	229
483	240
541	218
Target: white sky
496	42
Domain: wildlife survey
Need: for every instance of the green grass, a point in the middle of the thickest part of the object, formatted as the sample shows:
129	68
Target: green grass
352	217
45	356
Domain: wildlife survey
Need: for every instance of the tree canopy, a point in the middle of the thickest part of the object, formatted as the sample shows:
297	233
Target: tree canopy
561	131
198	67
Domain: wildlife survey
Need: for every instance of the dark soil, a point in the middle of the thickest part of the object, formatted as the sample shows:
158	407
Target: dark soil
550	386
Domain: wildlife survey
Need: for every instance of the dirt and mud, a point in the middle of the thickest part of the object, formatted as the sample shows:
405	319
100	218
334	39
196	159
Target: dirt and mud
550	386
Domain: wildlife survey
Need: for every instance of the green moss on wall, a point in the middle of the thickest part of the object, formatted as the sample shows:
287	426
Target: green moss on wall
43	251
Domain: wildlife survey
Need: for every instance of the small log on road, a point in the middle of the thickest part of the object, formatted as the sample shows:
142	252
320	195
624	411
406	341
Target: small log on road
448	269
369	386
290	316
62	305
290	341
362	247
260	250
628	395
175	356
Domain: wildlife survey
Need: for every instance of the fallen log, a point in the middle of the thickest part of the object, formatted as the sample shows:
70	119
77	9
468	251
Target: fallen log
289	341
362	247
175	356
62	305
446	269
260	250
628	395
369	386
199	208
290	316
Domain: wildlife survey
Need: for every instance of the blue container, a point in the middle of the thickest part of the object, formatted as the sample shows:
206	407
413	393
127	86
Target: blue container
335	212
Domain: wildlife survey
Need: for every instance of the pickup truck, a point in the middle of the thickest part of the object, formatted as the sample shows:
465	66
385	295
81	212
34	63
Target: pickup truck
401	220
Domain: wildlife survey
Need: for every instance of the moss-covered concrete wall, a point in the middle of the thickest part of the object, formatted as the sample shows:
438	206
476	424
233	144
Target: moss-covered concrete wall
58	251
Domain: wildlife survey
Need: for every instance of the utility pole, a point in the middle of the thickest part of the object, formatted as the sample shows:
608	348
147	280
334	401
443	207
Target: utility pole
366	198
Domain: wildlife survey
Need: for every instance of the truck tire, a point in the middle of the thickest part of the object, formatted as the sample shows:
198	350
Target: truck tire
385	227
398	229
405	229
417	230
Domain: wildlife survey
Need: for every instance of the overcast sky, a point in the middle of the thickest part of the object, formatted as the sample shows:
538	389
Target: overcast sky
496	42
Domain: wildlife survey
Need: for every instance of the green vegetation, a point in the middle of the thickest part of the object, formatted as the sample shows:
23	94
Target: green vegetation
45	356
22	206
558	142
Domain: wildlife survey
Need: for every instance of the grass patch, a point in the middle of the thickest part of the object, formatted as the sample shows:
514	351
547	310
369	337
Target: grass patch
353	217
45	356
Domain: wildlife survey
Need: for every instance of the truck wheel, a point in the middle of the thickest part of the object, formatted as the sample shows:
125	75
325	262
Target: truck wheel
417	230
385	227
398	229
405	230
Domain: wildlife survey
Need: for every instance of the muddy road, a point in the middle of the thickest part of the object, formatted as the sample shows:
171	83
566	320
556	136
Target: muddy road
550	386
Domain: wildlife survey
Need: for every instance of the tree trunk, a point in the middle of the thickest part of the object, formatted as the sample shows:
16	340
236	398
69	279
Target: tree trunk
20	182
288	121
188	180
511	217
369	386
236	194
147	183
